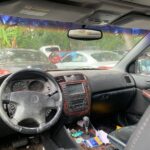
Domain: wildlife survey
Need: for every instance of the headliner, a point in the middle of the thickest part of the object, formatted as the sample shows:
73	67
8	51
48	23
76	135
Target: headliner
81	11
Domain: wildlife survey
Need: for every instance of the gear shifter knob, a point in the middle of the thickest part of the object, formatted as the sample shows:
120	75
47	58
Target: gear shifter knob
86	122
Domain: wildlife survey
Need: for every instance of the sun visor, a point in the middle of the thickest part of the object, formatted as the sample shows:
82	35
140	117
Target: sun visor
43	9
133	20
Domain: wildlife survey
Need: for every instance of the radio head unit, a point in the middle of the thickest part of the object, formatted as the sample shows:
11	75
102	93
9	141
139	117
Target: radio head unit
76	92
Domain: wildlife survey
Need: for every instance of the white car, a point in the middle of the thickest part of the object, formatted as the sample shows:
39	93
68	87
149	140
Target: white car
47	50
89	59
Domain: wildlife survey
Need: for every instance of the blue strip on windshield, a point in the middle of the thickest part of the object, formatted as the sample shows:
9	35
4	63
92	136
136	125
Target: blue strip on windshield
10	20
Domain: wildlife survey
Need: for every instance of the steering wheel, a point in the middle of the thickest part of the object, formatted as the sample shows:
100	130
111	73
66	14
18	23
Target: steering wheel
30	104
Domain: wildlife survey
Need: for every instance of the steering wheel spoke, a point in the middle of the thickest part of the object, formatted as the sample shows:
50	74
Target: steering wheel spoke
41	119
6	98
19	97
23	114
19	115
52	103
31	106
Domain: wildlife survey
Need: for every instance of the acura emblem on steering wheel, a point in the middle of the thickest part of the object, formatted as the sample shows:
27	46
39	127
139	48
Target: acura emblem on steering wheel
34	99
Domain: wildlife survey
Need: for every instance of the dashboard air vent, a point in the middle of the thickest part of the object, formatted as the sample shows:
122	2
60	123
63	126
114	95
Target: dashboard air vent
80	77
60	79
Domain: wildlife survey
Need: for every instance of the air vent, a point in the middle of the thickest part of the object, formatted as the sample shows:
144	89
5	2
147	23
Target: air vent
127	78
60	79
80	77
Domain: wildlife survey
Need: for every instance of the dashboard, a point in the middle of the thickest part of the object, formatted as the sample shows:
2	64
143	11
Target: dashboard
84	91
75	89
111	90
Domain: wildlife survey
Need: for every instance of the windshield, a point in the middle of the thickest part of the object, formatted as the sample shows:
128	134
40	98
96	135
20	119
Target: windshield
28	43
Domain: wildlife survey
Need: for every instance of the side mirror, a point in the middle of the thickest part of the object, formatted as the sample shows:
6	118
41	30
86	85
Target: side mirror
84	34
143	65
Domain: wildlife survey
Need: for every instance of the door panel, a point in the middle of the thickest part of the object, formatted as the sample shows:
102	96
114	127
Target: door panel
141	101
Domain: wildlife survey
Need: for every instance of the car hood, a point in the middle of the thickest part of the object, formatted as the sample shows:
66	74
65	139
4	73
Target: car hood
13	67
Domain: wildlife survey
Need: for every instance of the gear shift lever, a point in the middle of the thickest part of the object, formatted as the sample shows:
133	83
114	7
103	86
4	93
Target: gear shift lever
86	122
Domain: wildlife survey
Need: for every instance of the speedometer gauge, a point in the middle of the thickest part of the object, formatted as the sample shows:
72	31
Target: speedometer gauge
19	86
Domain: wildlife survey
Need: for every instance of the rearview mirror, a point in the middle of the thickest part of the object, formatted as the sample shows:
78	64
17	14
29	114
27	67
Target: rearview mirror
84	34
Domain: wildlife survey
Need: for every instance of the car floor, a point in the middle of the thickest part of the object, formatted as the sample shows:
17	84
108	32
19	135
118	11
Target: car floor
33	147
16	140
108	124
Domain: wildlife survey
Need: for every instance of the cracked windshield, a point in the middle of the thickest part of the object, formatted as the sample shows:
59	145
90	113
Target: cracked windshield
27	43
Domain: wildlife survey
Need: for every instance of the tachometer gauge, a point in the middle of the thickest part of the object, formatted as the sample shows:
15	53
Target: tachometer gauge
19	86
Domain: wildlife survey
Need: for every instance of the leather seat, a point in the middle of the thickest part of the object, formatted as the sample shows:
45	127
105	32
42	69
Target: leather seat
124	133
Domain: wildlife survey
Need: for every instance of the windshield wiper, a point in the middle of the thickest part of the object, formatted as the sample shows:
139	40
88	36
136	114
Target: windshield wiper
83	68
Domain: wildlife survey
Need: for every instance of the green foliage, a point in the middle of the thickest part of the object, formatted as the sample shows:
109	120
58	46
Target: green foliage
6	36
34	38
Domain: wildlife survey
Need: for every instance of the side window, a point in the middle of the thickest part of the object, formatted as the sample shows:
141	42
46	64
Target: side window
143	63
52	49
74	57
67	59
79	58
106	56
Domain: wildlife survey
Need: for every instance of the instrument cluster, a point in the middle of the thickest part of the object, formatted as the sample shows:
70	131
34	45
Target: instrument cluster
26	85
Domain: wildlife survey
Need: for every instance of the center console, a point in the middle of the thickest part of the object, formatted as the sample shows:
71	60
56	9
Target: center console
76	93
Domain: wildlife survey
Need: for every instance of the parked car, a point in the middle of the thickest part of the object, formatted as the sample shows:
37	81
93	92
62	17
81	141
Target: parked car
89	59
12	60
57	56
47	50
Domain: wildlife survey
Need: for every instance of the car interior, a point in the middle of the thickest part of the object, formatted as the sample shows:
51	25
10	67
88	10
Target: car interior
62	109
